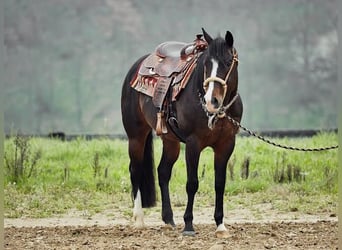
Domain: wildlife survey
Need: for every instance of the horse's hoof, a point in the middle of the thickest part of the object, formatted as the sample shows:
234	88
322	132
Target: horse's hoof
189	233
222	234
221	231
216	247
170	223
169	227
138	222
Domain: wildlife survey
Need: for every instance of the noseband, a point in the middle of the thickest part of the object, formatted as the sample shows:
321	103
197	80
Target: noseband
221	111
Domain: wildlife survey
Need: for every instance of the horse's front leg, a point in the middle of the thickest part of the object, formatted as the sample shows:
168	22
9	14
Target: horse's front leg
192	153
221	159
169	156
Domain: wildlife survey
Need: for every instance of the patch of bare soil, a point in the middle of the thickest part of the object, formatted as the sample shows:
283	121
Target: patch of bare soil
280	235
266	230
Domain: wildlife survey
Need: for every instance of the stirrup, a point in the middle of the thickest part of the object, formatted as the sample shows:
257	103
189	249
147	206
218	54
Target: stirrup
161	126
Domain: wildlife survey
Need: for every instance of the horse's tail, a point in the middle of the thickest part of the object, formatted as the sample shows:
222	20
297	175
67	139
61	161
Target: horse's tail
147	184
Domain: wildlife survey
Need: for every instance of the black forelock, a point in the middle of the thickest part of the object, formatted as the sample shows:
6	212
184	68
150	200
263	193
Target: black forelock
218	49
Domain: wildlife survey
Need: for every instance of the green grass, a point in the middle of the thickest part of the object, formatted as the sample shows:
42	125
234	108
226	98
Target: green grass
64	178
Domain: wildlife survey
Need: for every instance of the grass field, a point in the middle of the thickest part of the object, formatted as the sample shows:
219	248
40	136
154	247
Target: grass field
45	177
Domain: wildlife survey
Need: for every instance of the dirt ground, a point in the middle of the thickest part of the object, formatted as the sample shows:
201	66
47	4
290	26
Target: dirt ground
319	235
268	229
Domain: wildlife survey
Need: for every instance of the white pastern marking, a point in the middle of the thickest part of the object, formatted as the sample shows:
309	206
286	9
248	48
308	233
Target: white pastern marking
221	228
138	213
213	73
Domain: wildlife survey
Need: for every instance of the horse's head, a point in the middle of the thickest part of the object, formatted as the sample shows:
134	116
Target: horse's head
220	74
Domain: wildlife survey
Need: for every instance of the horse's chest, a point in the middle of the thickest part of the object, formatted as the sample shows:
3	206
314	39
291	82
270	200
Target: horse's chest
222	131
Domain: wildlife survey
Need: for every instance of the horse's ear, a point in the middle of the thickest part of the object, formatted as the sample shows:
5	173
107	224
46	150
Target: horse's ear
207	37
229	39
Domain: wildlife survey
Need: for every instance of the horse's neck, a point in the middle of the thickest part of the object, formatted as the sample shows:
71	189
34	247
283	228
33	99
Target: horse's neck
198	77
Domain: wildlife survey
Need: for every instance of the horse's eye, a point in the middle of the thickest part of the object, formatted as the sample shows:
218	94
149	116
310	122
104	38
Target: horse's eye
229	62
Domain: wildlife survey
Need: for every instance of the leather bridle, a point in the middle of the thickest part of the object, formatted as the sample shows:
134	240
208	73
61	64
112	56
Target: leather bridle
221	111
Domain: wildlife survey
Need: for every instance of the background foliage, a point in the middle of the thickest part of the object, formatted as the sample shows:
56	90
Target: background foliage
66	60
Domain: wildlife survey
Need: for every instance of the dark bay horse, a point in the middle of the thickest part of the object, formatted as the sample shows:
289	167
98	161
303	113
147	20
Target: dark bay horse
209	96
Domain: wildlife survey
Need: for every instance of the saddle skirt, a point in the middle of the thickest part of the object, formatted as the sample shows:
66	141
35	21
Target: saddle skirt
171	64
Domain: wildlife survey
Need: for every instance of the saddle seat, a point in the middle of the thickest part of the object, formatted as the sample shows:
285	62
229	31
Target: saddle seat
167	59
170	49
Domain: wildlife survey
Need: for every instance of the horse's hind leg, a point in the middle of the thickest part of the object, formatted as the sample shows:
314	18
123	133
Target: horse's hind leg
169	156
140	147
141	169
136	157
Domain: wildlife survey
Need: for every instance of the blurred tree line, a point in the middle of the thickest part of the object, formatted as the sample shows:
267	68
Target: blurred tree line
66	60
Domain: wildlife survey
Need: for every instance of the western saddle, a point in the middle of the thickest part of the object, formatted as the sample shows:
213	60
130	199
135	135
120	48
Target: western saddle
171	64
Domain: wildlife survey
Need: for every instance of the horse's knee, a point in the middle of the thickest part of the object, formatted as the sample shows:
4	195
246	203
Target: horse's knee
219	188
192	186
163	175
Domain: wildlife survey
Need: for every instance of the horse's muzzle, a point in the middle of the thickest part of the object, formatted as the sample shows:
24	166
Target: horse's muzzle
213	105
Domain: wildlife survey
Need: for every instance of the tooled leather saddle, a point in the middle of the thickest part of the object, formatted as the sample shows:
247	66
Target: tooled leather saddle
168	68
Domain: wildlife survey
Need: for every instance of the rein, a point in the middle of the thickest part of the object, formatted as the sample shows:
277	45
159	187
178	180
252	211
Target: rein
262	138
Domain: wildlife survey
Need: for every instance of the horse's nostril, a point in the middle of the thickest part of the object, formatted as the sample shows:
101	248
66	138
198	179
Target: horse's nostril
215	102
